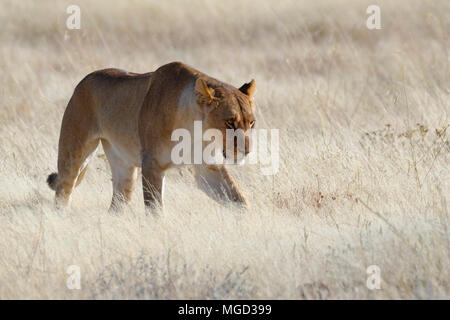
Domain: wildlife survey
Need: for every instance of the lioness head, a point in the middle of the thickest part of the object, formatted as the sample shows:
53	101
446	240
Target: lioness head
231	111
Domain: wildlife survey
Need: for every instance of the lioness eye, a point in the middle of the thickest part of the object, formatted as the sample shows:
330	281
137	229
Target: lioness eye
252	124
230	124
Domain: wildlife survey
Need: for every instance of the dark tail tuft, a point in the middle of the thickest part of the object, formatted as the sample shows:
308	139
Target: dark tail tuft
52	180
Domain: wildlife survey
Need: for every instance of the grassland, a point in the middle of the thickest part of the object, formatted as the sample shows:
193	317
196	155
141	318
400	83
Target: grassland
364	153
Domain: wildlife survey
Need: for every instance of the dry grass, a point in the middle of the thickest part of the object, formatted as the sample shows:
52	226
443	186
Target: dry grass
364	174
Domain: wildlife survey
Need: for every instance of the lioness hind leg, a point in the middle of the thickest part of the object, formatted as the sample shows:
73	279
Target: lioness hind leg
73	158
124	176
77	142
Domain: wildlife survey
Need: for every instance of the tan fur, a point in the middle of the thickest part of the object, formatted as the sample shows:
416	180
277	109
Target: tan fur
133	115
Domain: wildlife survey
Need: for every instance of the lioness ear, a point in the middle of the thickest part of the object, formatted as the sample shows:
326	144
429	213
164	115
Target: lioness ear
204	91
248	88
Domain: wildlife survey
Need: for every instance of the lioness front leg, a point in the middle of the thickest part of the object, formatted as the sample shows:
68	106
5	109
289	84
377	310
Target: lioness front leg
152	183
217	182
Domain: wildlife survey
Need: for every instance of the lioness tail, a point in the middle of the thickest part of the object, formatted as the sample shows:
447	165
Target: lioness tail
52	180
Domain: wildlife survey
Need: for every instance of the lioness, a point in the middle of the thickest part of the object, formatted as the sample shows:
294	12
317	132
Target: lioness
133	115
